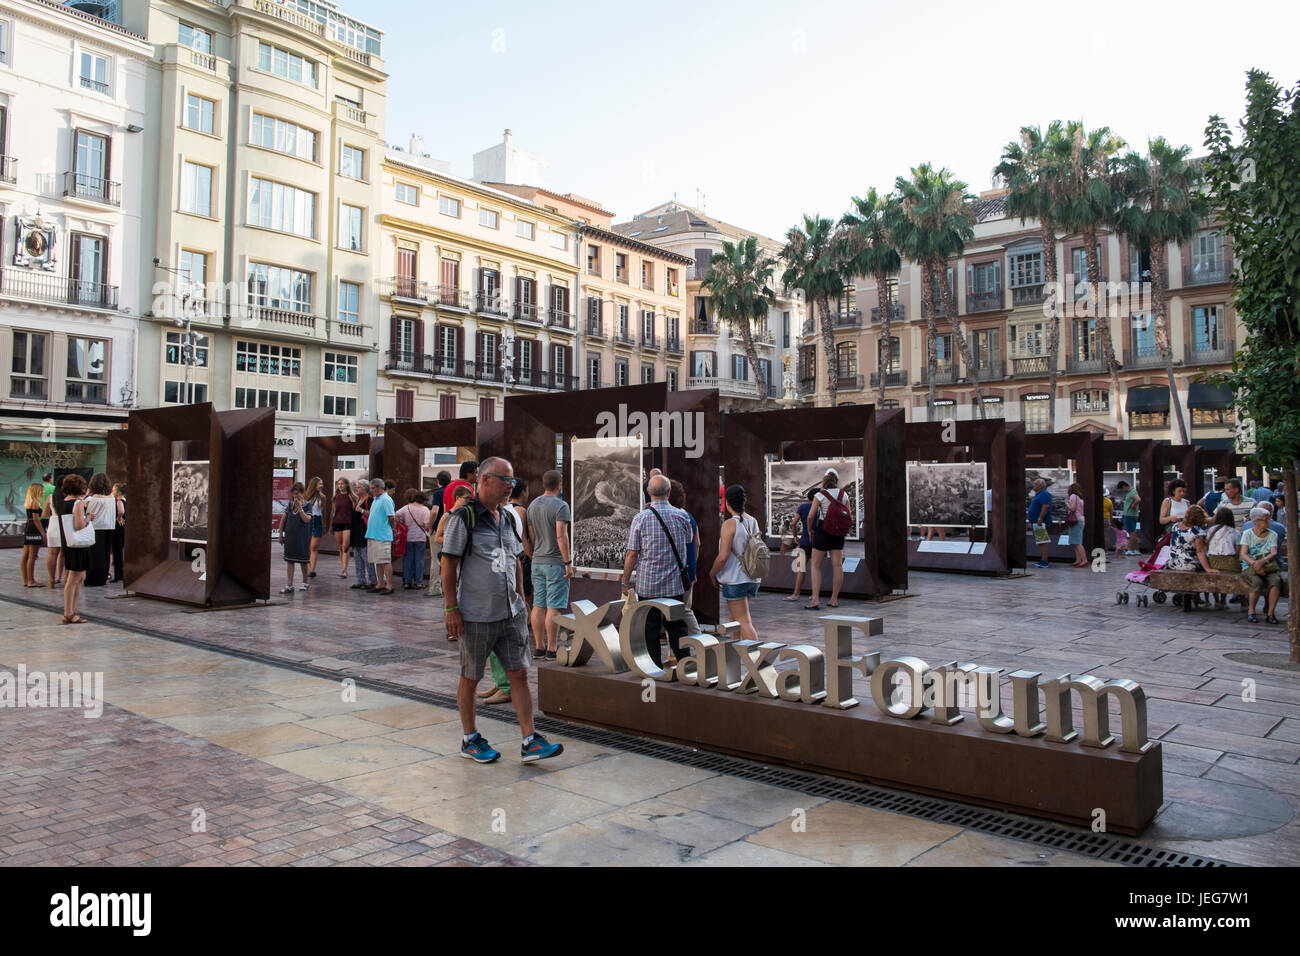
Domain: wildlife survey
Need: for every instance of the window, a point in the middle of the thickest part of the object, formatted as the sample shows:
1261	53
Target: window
1207	329
177	393
408	194
268	398
1139	264
200	113
620	267
647	327
593	372
279	287
1207	253
446	406
1027	339
261	358
352	162
943	351
194	268
785	330
623	332
1142	336
739	368
1090	401
1079	264
1152	419
489	218
87	370
673	330
647	374
983	286
283	137
195	38
339	405
559	361
647	275
291	66
350	224
702	364
487	411
986	349
28	367
449	206
404	343
1213	416
196	189
593	260
891	290
283	208
672	281
895	362
559	241
846	359
808	364
1034	411
620	372
91	163
765	372
524	228
1083	340
672	380
89	269
1027	268
486	353
349	302
94	72
450	282
175	352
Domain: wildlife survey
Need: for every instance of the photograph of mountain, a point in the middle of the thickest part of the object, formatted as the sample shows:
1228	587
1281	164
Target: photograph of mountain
605	496
788	484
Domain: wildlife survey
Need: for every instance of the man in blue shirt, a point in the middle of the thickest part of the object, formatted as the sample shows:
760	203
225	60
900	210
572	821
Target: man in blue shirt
379	537
1040	512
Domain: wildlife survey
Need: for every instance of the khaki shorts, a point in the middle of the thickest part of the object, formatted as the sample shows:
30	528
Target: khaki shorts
379	552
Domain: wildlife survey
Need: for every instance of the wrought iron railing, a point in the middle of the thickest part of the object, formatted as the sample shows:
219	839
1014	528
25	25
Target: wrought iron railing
69	290
83	186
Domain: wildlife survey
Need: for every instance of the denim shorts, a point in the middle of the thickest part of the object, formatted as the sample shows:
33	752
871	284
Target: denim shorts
737	592
1130	523
317	528
550	586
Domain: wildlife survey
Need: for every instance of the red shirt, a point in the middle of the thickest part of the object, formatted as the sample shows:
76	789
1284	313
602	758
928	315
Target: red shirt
449	493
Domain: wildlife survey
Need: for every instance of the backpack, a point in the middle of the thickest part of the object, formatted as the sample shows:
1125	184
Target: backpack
837	521
755	558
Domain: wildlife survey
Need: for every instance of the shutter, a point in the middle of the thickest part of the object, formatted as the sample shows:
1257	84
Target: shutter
394	341
515	293
970	280
537	361
405	403
997	280
569	370
419	345
460	348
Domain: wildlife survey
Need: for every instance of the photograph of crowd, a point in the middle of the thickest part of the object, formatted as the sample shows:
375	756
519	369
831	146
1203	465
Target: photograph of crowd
788	484
1110	479
1058	483
190	501
941	495
605	497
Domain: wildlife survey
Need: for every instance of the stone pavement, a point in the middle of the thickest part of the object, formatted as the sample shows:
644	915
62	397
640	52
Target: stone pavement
378	779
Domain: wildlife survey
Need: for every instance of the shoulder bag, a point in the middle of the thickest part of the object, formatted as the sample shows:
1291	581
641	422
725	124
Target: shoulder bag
72	538
681	566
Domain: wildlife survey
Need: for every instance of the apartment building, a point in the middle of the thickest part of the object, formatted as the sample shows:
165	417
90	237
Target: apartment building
265	141
1000	294
478	297
715	354
72	108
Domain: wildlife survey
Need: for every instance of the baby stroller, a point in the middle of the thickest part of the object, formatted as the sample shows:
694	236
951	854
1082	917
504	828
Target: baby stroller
1159	558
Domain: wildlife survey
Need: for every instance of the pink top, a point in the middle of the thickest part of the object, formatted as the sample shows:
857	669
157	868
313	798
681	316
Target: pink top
415	517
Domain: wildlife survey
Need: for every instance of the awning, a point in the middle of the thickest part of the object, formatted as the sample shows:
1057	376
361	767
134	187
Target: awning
1215	444
1205	395
1148	398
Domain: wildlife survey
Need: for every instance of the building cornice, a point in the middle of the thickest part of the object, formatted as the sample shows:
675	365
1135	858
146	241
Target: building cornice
627	242
72	22
517	203
462	242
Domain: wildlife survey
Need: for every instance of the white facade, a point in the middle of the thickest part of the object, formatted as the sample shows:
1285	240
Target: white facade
72	96
507	163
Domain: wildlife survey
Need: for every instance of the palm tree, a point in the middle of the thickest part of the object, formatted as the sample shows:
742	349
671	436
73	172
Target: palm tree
810	258
1164	205
933	227
738	282
1090	199
871	251
1032	172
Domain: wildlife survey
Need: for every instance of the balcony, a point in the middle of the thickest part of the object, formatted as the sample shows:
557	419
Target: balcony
1207	273
490	303
409	362
849	319
450	297
406	287
896	314
620	275
1030	366
8	170
764	337
89	83
809	328
984	301
894	379
34	286
88	393
945	374
649	341
527	312
347	331
352	114
1144	356
849	383
252	316
1027	295
595	329
696	273
704	328
990	370
1210	353
81	186
623	337
728	387
1095	365
559	319
808	384
674	347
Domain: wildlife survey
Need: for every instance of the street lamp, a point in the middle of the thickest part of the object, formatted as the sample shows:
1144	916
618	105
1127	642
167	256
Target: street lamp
191	308
507	364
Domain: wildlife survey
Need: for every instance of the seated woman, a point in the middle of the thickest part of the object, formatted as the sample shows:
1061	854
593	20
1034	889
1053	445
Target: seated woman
1187	550
1259	561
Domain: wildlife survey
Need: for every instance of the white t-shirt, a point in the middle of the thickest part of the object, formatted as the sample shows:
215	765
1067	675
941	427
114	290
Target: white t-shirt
732	572
1222	540
102	512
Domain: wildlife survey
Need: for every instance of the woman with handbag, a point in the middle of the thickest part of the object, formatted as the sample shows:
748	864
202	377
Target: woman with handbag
77	537
33	534
295	536
728	575
1259	561
1174	507
1074	525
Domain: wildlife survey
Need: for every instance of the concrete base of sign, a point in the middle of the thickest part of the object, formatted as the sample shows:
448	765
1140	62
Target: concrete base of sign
1065	782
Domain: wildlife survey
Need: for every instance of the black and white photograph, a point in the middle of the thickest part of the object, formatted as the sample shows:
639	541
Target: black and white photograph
942	495
1110	479
788	484
190	501
1058	483
605	497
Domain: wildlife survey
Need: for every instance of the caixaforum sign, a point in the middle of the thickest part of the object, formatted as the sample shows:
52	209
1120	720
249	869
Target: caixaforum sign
730	694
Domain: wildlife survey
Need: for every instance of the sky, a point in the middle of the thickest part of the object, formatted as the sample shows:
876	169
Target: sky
763	111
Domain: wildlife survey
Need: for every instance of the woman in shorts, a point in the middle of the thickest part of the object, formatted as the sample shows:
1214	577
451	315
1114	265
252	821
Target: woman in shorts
314	504
341	521
825	544
737	587
799	526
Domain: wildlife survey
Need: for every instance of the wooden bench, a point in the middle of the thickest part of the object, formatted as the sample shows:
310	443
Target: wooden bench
1197	582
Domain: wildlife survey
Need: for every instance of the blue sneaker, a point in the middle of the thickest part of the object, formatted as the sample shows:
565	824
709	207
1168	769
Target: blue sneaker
539	749
1042	564
478	749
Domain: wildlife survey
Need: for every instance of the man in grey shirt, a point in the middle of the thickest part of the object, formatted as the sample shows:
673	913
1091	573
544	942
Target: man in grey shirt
483	585
548	518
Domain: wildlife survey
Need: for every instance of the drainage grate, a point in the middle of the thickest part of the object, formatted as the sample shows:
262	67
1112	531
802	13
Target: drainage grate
993	822
392	654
